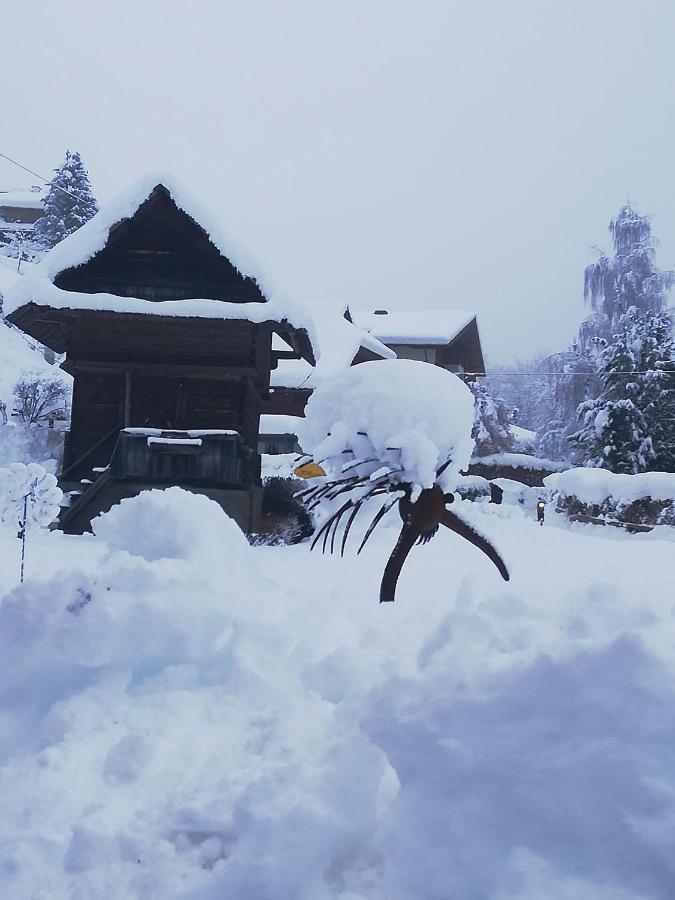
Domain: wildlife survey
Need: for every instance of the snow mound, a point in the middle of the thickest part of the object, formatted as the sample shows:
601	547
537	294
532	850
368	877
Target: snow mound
172	524
407	415
170	733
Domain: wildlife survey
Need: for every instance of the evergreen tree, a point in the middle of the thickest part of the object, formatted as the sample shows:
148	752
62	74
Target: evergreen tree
68	204
613	285
630	427
491	427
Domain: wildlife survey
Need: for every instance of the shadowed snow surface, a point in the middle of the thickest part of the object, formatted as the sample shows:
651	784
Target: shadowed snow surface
257	726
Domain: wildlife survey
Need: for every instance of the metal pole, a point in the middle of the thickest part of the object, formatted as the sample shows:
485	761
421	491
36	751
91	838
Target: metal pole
23	534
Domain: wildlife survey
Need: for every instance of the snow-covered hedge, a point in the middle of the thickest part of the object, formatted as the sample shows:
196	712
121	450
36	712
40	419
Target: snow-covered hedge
529	470
645	499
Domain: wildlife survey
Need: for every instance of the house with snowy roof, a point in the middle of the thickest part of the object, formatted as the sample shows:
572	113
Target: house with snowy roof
167	329
448	338
19	211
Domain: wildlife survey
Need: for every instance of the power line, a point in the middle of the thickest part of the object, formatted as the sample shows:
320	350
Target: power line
37	175
568	374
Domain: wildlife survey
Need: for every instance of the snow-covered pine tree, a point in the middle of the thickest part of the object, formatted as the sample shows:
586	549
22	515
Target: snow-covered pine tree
612	285
68	204
491	427
630	427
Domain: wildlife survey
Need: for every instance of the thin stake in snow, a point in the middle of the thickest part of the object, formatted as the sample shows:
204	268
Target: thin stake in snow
22	533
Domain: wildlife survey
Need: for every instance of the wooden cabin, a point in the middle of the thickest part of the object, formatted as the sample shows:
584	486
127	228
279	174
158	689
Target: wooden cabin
170	347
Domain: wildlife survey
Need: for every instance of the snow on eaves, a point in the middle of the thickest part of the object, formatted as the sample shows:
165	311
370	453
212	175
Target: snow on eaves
41	291
406	326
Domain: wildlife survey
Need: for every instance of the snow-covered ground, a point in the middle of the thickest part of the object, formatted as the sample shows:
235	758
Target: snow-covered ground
250	723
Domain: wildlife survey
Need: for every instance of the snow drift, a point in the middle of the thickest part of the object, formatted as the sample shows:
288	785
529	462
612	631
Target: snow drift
251	727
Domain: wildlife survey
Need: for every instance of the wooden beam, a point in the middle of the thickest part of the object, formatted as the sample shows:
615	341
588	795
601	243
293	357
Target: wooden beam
127	398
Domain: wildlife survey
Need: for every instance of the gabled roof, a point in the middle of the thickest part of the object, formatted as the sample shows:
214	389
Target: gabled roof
79	248
428	327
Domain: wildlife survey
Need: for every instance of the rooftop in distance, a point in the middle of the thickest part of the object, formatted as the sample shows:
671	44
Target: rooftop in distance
413	326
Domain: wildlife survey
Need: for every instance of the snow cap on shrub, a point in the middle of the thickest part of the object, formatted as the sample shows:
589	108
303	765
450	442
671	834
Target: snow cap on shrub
407	414
19	481
173	524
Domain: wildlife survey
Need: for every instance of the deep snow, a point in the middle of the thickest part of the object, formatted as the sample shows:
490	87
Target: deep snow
258	726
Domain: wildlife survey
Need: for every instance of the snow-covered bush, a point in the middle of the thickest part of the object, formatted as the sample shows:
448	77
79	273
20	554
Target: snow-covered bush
645	499
402	414
29	499
529	470
32	488
285	520
492	423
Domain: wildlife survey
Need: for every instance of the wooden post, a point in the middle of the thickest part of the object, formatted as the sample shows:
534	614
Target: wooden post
127	398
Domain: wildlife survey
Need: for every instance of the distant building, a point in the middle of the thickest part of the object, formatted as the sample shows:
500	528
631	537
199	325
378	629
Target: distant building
447	338
19	211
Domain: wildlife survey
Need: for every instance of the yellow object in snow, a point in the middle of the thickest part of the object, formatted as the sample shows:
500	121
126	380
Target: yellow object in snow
309	470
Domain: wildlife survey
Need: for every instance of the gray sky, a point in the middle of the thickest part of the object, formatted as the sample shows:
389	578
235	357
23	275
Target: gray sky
410	154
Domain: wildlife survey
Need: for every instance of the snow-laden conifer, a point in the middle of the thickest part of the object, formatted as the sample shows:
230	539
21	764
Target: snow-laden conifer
630	427
613	285
491	427
68	203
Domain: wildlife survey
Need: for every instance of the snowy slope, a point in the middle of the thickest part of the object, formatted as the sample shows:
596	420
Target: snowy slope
18	353
241	723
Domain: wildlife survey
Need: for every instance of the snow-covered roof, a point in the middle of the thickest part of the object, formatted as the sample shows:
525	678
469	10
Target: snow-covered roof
26	198
79	247
338	341
38	290
413	326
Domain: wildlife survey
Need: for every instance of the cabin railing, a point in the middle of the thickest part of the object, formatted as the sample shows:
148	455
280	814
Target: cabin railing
91	450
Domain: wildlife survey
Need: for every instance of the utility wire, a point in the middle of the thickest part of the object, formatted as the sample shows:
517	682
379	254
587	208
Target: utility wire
37	175
567	374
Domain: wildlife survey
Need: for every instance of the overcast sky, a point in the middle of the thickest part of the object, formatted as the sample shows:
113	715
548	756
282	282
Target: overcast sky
378	153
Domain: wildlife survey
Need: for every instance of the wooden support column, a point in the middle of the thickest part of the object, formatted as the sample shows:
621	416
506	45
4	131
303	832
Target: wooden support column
127	398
